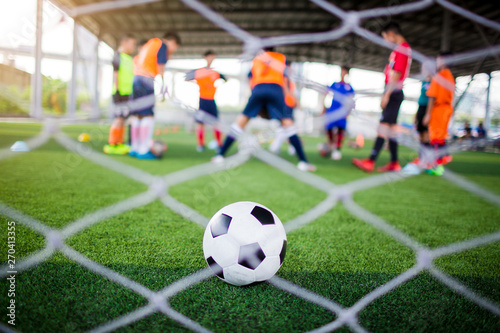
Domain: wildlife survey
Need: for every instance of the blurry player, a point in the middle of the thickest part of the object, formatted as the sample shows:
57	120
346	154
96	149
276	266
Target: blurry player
206	78
439	112
149	63
123	75
395	72
336	114
291	102
433	154
270	87
423	100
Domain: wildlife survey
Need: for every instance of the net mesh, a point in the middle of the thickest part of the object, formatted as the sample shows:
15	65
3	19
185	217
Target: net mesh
158	190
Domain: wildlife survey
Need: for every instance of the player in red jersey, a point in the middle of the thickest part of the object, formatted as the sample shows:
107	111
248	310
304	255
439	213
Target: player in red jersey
396	72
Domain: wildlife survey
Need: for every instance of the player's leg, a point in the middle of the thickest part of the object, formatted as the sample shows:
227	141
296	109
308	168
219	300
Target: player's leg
234	133
291	133
438	131
146	131
217	133
146	125
280	135
336	154
200	137
330	137
134	134
386	130
254	105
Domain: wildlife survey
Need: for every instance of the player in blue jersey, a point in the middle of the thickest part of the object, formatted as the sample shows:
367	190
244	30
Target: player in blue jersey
336	115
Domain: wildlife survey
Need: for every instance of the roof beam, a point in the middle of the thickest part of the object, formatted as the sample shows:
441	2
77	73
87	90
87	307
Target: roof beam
98	7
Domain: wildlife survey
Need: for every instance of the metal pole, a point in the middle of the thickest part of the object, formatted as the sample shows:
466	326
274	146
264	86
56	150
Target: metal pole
36	78
74	68
487	116
97	111
446	31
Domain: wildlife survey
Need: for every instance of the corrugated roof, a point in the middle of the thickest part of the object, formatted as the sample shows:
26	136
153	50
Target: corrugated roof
422	29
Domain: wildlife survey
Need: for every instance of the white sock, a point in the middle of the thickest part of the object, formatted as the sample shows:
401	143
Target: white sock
279	138
145	134
134	133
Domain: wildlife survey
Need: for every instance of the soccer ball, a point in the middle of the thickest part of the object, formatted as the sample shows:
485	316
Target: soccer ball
158	148
324	149
244	242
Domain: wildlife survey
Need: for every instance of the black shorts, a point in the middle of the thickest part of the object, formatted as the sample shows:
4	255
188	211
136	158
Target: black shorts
208	110
120	101
422	110
391	111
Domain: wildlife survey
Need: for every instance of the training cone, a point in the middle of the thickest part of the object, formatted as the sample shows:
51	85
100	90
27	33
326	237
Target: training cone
20	146
84	137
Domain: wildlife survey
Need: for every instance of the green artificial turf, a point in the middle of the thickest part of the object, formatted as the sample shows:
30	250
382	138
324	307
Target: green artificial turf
338	256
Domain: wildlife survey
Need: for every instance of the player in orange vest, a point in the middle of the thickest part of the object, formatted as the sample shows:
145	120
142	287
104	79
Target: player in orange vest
439	112
270	87
437	118
205	78
149	63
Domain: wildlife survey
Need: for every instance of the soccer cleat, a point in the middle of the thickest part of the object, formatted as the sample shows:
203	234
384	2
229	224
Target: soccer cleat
444	160
132	153
200	149
217	159
336	155
148	156
411	169
436	171
119	149
391	166
304	166
366	165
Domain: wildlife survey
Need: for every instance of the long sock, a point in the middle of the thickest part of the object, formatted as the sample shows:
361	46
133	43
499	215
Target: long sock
200	135
115	135
233	135
291	133
379	143
146	134
129	135
329	135
393	148
218	137
279	139
134	133
340	138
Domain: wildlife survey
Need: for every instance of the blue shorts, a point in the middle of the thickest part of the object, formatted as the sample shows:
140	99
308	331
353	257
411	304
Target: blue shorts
341	123
143	86
208	106
288	112
268	95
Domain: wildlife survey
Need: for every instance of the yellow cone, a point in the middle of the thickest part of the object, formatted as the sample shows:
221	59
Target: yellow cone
84	137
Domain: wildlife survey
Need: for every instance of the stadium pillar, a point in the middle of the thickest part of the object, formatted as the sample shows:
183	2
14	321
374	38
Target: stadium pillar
74	68
446	31
487	117
36	78
96	114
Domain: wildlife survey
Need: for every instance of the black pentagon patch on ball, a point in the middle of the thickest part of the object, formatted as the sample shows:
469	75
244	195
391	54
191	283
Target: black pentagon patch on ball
263	215
251	256
215	267
220	225
283	252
